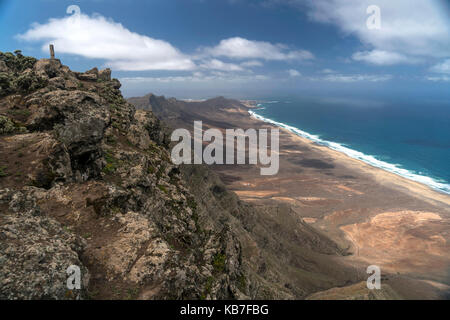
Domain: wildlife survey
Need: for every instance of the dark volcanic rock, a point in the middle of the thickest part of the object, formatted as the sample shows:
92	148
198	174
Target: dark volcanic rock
103	171
87	180
35	252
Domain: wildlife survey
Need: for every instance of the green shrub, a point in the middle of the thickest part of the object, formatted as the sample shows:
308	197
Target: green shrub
3	173
6	125
17	62
111	164
151	169
208	287
242	283
163	189
219	262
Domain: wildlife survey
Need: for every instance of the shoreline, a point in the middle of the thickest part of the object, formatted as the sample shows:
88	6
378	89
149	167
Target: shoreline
327	146
389	220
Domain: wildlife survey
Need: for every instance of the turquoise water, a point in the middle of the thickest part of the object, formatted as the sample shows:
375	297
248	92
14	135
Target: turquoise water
410	139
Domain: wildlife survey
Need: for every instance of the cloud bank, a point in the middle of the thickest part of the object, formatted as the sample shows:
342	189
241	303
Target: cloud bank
409	27
380	57
411	30
443	67
351	78
100	38
240	48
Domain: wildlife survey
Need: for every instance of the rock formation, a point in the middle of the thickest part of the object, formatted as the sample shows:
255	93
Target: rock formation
87	180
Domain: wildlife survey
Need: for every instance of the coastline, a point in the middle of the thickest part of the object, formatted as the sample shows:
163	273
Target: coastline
385	176
382	218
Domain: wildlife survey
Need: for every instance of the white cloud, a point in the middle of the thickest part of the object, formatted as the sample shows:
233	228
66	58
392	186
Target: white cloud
409	28
251	63
327	71
97	37
380	57
101	38
294	73
439	79
443	67
240	48
220	65
353	78
197	77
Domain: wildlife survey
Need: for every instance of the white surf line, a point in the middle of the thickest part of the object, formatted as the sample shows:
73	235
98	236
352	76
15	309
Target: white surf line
371	160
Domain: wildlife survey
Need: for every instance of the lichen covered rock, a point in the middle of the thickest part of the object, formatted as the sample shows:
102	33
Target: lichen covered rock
103	171
35	252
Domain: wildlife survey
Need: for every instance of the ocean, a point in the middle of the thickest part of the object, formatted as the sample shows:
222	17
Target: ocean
411	139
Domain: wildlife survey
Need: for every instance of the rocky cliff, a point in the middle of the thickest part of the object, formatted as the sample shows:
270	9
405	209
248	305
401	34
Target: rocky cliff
87	180
284	257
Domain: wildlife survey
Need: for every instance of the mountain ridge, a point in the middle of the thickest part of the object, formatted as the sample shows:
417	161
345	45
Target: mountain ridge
84	167
87	180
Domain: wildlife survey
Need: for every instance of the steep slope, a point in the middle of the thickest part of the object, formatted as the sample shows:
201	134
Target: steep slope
284	256
298	258
87	181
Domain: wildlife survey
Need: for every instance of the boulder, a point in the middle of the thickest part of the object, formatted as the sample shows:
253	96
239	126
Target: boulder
105	75
48	68
116	84
90	75
92	71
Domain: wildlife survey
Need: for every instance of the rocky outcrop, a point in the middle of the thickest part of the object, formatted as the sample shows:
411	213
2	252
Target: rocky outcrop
88	181
35	251
17	74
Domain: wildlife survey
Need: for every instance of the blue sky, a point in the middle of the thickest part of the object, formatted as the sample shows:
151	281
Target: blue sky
238	48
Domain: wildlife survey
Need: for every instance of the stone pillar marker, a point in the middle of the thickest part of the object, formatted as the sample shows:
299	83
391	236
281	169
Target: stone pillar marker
52	52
